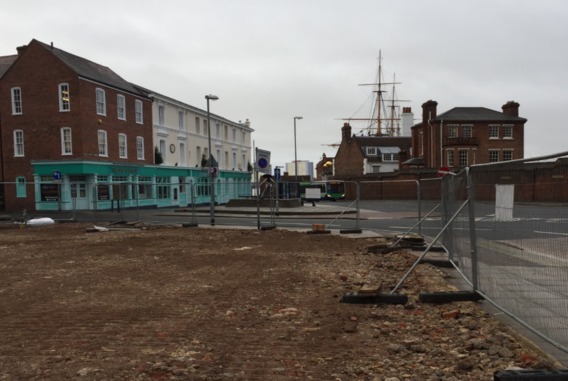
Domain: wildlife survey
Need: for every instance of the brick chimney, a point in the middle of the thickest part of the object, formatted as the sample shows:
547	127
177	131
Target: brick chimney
346	131
511	108
20	49
429	111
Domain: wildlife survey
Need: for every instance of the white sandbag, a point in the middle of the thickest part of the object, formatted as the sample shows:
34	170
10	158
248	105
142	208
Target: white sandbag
40	221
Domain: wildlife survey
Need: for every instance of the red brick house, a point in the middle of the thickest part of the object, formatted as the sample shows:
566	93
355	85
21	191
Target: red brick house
324	168
368	155
465	136
63	113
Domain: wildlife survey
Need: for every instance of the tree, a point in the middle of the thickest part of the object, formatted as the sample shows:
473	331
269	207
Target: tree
158	158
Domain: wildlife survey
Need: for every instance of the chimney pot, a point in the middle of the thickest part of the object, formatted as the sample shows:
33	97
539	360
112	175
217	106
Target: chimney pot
346	131
511	108
429	111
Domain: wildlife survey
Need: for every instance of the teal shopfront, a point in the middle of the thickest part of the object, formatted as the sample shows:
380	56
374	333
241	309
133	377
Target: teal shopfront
91	185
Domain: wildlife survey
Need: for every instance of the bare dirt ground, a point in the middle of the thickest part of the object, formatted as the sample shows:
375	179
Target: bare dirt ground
213	304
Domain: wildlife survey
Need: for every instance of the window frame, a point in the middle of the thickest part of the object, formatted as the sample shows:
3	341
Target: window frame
140	151
390	157
452	131
66	145
64	97
467	131
508	131
102	145
371	151
122	146
494	155
507	152
19	147
493	131
161	115
181	120
139	111
182	154
17	104
121	107
450	158
463	157
100	100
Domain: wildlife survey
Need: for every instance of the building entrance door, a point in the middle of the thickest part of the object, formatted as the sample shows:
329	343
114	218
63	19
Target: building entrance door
79	198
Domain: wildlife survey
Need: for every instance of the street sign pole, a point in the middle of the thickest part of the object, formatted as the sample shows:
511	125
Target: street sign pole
277	178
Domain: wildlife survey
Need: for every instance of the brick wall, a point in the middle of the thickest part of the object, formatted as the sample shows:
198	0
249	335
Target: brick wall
349	157
38	72
540	182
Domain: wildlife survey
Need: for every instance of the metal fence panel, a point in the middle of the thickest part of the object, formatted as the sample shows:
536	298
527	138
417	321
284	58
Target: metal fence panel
520	226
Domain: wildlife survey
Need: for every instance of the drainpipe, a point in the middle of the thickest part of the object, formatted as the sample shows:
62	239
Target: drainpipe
431	139
441	149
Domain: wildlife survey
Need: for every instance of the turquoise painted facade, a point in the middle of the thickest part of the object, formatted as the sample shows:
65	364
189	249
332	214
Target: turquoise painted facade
92	185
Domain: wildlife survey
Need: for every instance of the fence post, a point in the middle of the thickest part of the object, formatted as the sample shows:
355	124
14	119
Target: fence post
418	196
357	225
472	233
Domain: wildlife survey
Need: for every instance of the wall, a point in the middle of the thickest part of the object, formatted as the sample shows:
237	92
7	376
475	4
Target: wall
38	72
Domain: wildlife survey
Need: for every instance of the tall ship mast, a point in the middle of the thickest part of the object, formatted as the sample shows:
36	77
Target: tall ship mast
384	112
379	109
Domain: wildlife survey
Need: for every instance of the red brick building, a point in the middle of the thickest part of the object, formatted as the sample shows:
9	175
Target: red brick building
465	136
324	168
56	107
368	155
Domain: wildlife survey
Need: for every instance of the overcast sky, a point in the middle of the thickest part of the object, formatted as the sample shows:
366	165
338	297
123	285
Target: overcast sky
271	60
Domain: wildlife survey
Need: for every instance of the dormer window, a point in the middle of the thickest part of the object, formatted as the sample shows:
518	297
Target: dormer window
371	151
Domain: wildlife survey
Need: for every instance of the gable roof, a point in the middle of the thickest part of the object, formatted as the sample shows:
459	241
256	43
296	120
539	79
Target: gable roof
5	63
477	114
91	70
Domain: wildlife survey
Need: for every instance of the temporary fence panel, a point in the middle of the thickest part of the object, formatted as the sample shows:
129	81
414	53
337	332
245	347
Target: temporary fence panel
516	227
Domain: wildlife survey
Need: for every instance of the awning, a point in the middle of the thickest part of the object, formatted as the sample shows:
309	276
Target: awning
394	150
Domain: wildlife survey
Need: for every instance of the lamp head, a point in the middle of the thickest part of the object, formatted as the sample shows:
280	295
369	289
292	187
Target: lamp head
211	97
298	117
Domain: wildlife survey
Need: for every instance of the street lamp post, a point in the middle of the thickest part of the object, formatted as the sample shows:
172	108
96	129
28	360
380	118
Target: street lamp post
211	97
295	150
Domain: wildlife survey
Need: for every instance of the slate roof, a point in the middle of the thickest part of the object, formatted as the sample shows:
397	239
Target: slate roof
92	71
5	63
472	114
382	141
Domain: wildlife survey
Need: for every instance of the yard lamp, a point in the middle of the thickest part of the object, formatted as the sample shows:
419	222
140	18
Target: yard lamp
212	169
295	149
